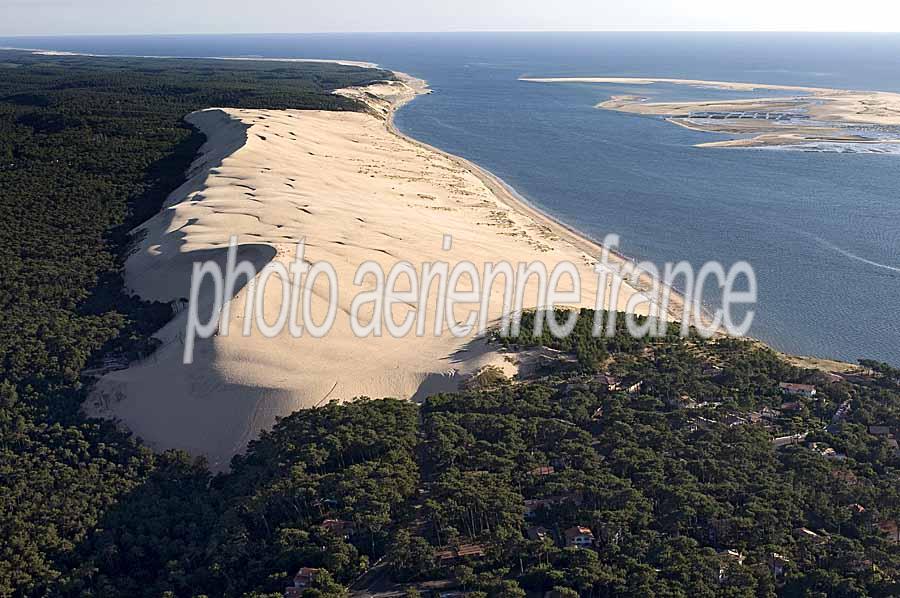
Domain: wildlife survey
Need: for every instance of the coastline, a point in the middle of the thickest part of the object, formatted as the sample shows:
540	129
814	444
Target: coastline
354	188
508	195
44	52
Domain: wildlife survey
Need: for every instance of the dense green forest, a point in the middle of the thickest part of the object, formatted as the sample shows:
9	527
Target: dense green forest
615	467
90	147
665	453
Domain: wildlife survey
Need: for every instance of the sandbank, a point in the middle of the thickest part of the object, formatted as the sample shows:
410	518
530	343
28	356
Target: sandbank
822	114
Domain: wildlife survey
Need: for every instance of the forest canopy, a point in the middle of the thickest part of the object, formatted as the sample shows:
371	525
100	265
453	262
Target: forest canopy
614	467
90	147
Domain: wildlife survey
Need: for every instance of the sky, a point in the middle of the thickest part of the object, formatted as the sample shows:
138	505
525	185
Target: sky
42	17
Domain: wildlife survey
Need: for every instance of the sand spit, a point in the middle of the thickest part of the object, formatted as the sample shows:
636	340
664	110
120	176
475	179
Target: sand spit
42	52
355	190
828	115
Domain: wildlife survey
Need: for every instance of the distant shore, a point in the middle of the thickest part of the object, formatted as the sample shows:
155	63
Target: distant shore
830	113
43	52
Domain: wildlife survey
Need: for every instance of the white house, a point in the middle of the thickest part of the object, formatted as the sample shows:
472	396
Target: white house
800	390
580	537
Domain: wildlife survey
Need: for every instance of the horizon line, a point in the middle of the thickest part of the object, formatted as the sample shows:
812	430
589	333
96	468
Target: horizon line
448	31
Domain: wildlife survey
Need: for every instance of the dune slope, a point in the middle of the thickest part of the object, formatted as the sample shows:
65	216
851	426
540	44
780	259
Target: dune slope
354	190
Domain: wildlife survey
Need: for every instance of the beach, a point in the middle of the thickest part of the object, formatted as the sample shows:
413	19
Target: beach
353	189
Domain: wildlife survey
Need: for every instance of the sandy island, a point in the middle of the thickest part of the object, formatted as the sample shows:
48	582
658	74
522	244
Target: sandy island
355	190
819	115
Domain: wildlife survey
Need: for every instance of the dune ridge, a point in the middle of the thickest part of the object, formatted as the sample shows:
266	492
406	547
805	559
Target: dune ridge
354	189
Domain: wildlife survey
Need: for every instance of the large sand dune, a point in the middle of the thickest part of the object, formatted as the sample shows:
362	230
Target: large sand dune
355	190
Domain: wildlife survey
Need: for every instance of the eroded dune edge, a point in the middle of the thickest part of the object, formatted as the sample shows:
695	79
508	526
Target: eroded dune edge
355	190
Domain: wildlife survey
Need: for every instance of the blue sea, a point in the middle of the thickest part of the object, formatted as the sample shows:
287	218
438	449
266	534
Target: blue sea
821	229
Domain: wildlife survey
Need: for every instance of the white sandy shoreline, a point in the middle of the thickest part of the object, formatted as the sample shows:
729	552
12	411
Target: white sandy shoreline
45	52
509	195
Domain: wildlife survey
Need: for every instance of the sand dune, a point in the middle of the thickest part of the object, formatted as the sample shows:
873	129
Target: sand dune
355	191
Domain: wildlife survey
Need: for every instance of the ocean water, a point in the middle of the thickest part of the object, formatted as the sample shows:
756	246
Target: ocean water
820	226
